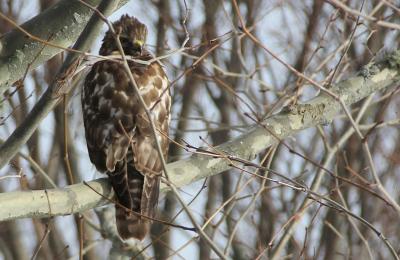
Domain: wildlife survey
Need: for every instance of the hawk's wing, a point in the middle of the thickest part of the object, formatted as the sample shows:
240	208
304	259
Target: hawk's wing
108	113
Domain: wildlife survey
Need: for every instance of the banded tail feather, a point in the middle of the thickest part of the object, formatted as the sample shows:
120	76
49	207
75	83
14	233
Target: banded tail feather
137	196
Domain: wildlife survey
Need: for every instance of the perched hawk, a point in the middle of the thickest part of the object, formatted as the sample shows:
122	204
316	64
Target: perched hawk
118	133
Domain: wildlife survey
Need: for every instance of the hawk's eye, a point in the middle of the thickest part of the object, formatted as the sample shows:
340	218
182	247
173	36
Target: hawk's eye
123	41
131	47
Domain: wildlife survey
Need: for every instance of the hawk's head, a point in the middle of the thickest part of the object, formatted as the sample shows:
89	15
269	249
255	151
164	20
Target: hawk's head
132	35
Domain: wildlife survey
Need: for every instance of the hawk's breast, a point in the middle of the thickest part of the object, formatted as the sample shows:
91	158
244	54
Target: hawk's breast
114	118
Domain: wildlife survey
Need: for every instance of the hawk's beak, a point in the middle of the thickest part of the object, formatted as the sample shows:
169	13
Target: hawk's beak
140	44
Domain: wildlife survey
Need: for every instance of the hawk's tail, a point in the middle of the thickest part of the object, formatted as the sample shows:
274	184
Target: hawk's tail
128	185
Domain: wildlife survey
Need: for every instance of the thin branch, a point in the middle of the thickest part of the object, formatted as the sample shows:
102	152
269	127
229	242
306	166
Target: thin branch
354	12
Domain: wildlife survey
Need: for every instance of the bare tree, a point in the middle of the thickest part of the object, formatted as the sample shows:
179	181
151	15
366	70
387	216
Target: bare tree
284	132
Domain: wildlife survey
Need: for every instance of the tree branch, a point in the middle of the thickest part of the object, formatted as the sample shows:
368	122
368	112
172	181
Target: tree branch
320	110
59	25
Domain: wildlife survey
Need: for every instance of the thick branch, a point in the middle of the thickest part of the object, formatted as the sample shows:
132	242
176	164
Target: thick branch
320	110
60	24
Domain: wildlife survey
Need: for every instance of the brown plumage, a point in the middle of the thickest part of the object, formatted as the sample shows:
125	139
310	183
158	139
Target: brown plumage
118	134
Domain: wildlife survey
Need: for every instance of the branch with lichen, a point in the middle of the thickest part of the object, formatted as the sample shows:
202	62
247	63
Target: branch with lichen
378	75
37	40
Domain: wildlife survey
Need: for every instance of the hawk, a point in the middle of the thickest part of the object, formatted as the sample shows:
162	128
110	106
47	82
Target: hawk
118	133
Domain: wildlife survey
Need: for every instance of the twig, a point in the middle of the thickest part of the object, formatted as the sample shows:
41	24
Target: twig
39	246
